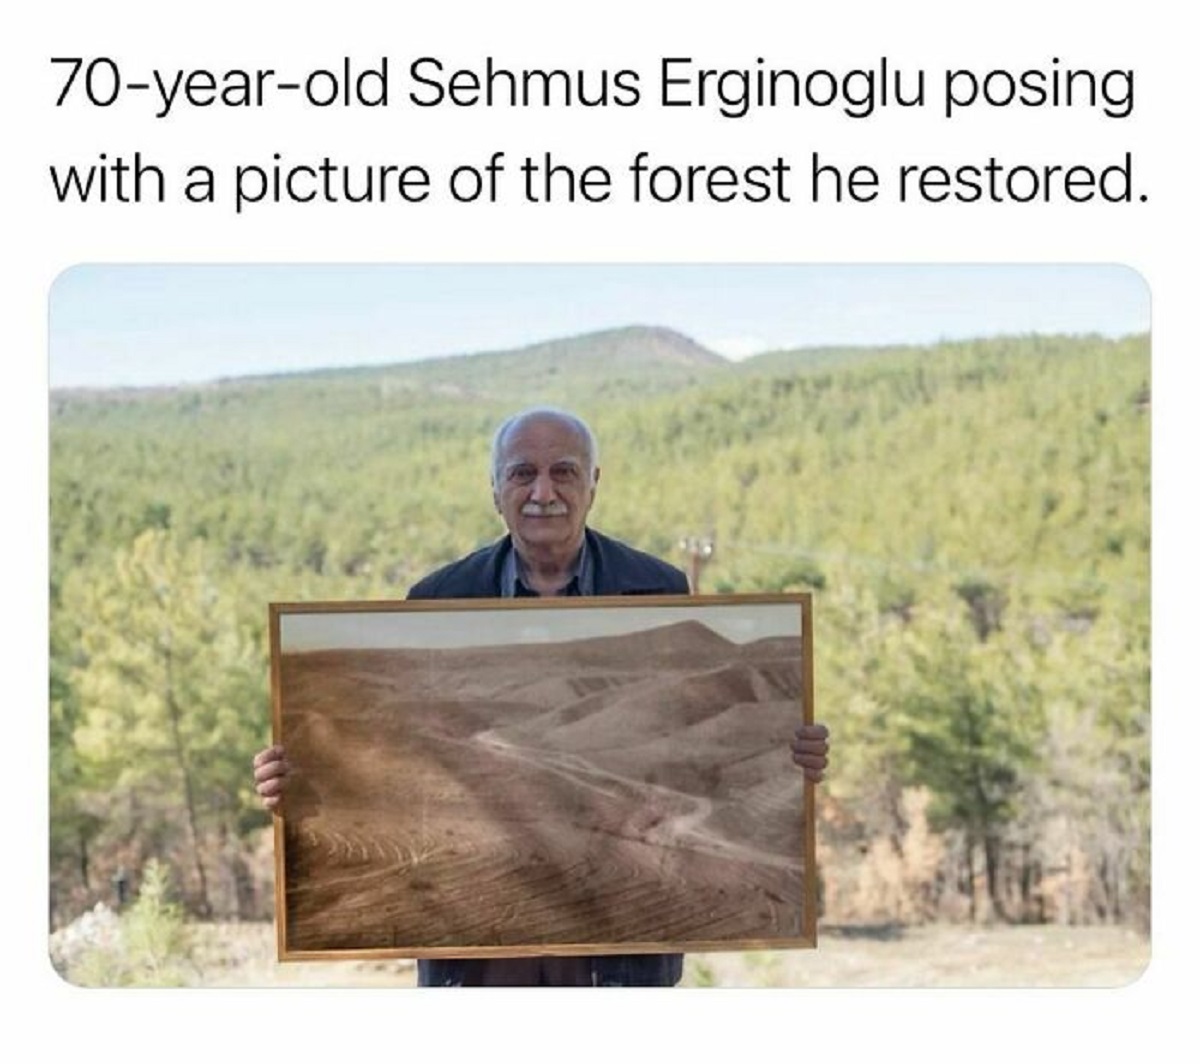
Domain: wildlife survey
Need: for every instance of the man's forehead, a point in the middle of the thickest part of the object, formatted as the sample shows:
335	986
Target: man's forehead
514	458
544	438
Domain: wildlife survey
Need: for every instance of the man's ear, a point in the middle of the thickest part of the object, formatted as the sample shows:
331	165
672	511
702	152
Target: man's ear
496	498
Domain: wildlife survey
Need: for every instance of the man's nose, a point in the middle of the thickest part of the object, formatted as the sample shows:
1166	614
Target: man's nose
543	488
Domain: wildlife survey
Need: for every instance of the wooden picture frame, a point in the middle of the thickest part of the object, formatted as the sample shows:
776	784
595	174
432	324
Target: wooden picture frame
553	776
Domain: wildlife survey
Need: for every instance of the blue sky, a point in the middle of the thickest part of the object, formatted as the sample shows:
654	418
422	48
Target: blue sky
119	325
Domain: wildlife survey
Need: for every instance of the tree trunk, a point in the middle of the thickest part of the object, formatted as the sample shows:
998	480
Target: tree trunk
991	868
174	714
971	877
84	861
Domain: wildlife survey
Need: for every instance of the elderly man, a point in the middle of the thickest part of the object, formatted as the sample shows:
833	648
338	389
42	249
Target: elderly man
544	476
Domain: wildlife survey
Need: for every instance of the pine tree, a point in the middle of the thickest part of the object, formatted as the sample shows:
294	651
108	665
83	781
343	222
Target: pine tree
172	694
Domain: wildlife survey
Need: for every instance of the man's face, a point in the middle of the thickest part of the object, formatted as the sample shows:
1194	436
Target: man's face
544	490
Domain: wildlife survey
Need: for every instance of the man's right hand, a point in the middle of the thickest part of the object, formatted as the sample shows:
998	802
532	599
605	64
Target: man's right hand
270	776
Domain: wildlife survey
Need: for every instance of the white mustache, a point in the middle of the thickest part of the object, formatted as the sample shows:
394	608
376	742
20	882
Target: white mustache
551	509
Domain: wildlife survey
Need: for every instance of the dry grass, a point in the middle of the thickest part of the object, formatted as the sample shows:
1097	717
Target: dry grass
938	956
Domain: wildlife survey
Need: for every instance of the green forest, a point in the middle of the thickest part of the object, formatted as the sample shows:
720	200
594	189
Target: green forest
972	518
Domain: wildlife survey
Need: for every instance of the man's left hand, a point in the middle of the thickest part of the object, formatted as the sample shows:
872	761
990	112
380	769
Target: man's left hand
810	750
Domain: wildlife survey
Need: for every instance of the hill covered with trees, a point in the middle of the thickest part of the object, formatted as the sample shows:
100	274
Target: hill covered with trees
973	519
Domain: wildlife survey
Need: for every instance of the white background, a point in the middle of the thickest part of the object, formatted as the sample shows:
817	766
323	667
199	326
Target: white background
1157	238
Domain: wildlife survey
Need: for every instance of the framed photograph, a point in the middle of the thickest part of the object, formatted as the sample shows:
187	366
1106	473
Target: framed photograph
510	777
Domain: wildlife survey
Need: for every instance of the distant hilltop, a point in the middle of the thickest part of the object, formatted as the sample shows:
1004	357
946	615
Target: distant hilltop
630	363
651	352
613	348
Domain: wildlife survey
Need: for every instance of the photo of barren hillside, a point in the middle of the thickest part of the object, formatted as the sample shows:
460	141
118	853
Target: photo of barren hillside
628	789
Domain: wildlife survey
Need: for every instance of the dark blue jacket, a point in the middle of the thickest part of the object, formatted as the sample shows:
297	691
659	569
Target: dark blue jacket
617	570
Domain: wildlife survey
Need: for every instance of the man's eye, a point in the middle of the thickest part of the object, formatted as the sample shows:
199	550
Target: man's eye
522	474
564	474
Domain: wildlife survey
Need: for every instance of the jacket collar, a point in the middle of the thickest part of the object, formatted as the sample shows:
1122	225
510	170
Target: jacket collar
617	569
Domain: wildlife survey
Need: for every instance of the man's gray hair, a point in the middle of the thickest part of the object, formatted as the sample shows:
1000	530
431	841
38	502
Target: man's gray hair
548	413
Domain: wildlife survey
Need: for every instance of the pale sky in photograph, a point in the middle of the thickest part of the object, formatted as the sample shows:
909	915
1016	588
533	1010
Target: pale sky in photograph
380	630
148	325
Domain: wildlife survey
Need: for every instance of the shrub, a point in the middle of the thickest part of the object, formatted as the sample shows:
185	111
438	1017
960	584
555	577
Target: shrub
152	947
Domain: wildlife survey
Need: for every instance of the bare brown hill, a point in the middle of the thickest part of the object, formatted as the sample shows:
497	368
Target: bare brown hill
631	716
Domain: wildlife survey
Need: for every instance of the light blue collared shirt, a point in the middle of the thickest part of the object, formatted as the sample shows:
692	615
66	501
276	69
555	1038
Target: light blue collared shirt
582	582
